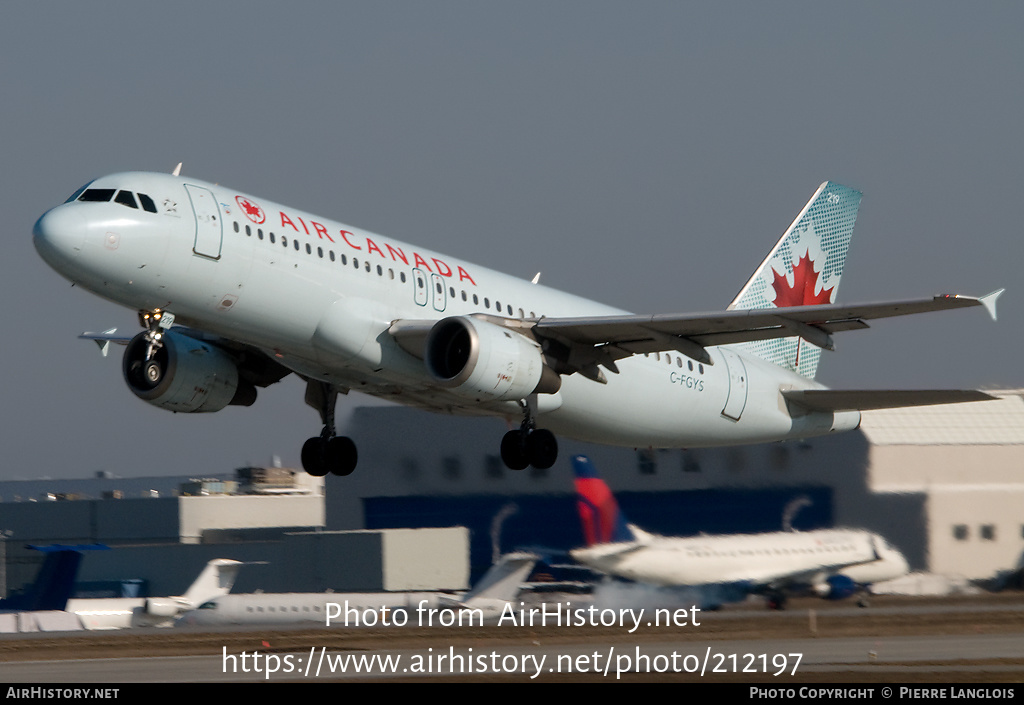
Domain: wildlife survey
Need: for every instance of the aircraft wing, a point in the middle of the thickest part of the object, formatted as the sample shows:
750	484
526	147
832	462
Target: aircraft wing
581	344
690	334
862	400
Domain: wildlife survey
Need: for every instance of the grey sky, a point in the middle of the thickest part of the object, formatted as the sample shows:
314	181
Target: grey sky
644	154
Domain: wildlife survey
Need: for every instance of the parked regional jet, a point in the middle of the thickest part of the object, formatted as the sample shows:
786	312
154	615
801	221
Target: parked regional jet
832	564
486	600
256	290
217	578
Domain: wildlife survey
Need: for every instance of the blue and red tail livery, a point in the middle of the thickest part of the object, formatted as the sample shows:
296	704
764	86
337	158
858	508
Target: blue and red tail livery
603	521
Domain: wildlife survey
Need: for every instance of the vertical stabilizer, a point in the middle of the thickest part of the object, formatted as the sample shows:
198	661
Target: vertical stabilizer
803	269
217	578
54	582
503	581
603	521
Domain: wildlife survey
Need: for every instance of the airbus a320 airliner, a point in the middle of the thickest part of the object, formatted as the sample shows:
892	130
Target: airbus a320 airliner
255	290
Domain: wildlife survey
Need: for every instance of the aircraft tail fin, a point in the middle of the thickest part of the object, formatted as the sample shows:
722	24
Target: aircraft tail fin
502	581
217	578
55	581
603	521
803	269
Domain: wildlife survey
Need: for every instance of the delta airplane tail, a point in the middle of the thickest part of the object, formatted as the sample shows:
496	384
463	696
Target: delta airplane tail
803	269
603	521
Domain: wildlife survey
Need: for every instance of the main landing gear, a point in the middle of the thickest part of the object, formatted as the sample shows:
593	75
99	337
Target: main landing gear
529	445
327	453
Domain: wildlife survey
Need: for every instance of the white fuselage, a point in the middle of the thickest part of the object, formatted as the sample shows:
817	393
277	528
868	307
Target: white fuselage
771	559
319	297
345	609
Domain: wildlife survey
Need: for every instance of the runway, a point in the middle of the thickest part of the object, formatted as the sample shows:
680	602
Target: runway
956	640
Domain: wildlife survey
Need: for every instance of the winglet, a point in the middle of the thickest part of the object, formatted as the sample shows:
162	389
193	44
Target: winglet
177	170
989	302
104	343
104	339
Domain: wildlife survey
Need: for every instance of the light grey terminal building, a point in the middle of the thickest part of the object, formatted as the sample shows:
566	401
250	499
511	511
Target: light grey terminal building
431	503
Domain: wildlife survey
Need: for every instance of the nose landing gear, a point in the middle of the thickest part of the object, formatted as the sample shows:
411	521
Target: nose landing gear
148	372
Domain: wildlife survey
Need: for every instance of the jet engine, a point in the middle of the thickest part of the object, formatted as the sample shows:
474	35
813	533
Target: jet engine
836	587
184	374
485	361
157	607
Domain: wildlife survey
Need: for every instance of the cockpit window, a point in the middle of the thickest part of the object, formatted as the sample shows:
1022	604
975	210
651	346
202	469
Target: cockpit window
77	193
125	198
147	203
97	195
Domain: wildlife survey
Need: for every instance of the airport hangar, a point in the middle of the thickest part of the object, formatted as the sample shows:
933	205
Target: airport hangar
945	484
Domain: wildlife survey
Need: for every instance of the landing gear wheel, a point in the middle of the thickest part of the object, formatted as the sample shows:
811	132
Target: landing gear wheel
542	449
513	451
153	372
777	601
313	460
341	456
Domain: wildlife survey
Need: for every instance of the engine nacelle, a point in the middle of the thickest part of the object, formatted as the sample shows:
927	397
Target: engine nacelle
485	361
157	607
184	374
836	587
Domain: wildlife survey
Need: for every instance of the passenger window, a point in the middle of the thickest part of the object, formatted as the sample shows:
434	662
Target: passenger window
126	198
236	226
97	195
147	203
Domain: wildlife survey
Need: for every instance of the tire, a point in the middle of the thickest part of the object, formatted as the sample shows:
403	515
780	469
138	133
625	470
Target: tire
513	453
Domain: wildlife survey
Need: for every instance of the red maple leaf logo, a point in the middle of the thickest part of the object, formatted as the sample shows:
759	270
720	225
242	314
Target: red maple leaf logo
801	293
252	211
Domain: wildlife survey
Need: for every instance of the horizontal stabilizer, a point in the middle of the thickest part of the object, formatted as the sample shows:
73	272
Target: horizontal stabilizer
862	400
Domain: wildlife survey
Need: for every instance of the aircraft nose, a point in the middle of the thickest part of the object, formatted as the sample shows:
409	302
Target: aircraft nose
58	236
